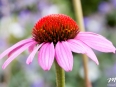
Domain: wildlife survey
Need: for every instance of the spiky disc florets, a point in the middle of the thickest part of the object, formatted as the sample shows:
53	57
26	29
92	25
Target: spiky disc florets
54	28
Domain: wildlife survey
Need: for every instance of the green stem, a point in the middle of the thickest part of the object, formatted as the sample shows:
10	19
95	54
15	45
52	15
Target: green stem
79	17
60	76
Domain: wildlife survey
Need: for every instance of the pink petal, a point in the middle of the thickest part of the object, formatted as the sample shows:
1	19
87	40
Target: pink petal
64	55
96	41
89	52
15	47
15	54
46	56
31	56
76	46
31	48
11	52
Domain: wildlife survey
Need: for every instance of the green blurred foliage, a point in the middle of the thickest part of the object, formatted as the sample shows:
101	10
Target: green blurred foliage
111	19
18	77
89	6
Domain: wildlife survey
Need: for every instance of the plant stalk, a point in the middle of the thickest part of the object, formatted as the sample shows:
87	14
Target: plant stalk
60	75
79	17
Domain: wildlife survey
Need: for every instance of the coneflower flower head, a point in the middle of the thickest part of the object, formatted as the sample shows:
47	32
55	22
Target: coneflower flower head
57	36
54	28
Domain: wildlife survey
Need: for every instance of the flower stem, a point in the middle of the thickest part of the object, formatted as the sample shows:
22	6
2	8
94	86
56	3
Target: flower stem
79	14
79	17
85	61
60	75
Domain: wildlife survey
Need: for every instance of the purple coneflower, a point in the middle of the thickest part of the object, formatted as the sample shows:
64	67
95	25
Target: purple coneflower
57	36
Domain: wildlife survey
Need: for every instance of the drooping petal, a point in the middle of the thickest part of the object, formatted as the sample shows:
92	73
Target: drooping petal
15	47
76	46
31	48
11	52
31	56
64	55
46	56
96	41
89	52
15	54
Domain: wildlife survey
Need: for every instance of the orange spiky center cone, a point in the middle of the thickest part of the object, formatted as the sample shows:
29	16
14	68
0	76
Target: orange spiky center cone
54	28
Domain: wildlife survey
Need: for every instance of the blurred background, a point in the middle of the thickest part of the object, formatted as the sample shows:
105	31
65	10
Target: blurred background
17	18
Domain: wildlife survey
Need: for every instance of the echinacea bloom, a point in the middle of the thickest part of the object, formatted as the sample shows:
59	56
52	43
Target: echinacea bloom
57	36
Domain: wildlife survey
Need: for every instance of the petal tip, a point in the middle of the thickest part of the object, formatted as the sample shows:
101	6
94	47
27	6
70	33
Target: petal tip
46	69
3	67
28	63
69	70
114	50
97	63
